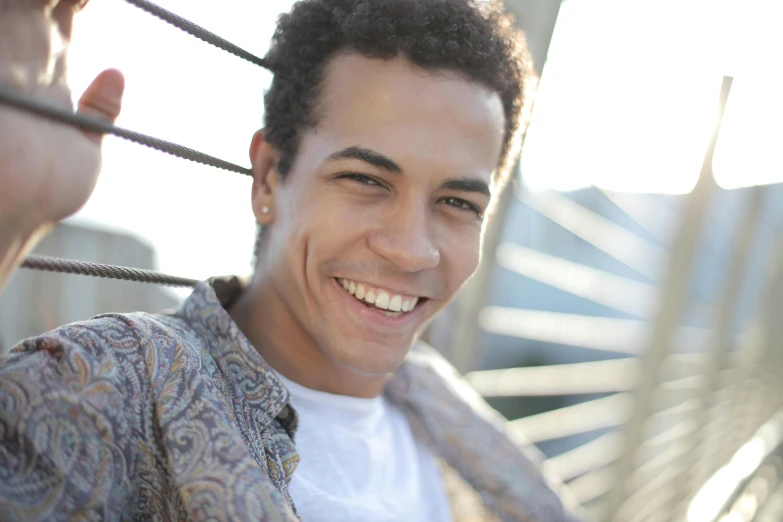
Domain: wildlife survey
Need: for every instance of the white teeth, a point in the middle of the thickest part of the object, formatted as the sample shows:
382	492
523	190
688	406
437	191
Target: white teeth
395	305
382	301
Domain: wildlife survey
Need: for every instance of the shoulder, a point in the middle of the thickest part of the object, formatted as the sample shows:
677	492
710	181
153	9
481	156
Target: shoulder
111	367
428	373
77	410
119	348
101	337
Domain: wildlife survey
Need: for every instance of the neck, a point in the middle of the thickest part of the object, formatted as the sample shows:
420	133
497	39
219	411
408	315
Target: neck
267	322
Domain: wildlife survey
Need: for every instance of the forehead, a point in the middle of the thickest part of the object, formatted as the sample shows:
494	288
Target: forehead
419	118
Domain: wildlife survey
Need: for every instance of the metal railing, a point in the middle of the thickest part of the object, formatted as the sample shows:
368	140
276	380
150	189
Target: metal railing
685	404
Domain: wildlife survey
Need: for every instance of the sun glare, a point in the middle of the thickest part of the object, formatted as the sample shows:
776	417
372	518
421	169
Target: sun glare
628	98
749	148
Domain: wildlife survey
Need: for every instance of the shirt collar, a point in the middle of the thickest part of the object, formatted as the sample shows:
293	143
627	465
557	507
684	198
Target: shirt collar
256	392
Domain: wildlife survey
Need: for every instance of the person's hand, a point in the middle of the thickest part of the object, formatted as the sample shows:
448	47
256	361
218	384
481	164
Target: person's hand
47	170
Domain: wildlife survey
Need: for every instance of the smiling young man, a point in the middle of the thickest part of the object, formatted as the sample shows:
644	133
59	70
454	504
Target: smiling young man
390	127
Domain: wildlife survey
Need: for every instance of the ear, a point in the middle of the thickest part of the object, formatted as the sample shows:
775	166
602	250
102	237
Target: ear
263	157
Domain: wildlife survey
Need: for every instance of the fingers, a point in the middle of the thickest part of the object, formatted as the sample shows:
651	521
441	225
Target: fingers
103	98
63	13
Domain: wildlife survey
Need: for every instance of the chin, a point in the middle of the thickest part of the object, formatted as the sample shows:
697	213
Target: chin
371	359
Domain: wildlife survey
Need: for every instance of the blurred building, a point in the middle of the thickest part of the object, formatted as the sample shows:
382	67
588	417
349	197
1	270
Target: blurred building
34	302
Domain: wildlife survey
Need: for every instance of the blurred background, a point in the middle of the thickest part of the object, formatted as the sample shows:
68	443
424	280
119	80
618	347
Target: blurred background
626	317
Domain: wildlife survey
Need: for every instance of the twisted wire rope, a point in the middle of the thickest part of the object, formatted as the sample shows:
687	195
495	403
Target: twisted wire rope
69	266
96	125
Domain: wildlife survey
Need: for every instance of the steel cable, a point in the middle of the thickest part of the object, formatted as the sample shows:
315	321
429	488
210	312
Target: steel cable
96	125
69	266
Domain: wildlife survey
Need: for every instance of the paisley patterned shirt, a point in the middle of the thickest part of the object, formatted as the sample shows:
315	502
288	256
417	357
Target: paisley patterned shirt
177	417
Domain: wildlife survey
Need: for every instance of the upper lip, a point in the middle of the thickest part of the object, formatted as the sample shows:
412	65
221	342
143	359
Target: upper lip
389	289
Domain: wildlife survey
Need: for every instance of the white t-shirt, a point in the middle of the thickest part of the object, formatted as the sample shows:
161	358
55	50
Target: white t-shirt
359	462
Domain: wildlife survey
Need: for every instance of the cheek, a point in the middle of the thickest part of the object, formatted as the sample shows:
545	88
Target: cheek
336	220
316	209
303	213
286	236
460	255
316	226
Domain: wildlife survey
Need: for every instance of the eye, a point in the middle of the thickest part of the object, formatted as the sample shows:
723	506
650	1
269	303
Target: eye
461	204
360	178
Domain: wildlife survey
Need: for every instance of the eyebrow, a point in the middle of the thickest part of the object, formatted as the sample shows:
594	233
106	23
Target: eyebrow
467	185
376	159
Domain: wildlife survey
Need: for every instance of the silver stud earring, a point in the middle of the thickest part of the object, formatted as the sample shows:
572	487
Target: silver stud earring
265	210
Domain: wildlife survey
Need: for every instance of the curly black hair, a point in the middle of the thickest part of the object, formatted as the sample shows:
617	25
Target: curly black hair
473	38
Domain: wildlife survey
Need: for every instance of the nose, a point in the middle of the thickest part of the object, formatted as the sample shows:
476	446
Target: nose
405	239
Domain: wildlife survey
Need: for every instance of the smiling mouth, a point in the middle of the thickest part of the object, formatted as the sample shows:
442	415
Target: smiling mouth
384	301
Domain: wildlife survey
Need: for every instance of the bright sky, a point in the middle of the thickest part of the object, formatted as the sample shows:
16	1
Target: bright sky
626	102
628	96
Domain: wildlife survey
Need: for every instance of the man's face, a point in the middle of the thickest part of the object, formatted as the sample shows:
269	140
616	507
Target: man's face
384	203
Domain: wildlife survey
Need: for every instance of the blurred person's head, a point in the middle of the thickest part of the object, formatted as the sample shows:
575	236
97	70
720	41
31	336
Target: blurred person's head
390	127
